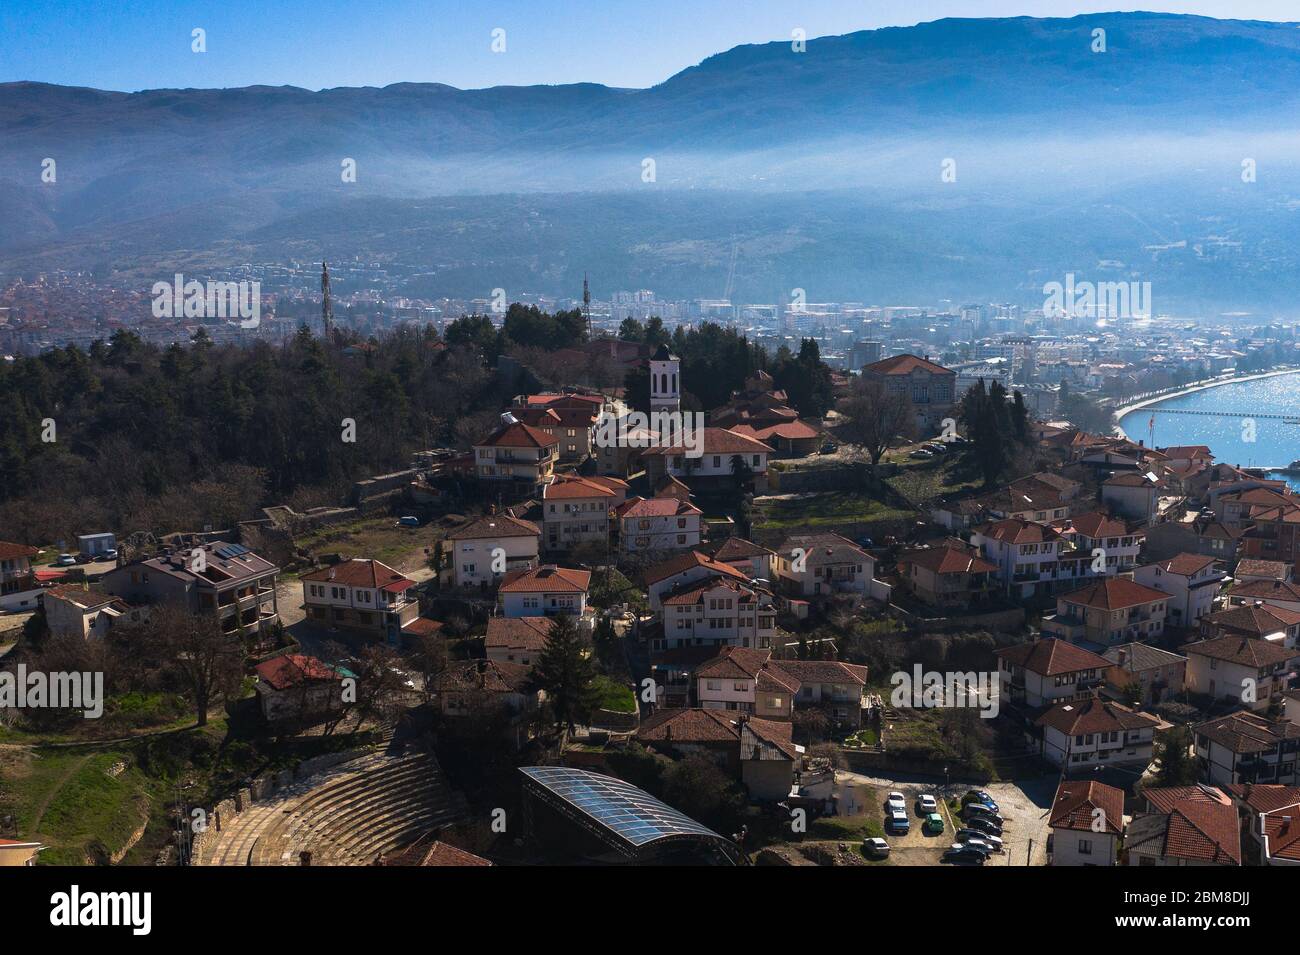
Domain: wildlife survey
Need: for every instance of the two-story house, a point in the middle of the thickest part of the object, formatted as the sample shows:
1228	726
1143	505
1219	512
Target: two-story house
517	453
1144	672
1108	611
1048	671
1087	823
1235	669
659	524
746	680
486	549
1097	536
1091	732
833	686
545	591
826	564
18	590
362	595
753	560
1192	581
691	567
225	580
1270	815
950	576
720	458
1283	594
1244	747
576	510
76	611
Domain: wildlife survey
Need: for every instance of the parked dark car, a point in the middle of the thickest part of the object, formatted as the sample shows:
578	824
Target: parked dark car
986	826
965	855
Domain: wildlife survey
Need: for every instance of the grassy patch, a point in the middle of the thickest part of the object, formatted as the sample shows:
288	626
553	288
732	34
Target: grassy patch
827	511
846	828
379	538
615	696
925	483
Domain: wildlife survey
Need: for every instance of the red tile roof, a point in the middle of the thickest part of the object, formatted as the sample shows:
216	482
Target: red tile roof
1113	593
687	561
1076	802
289	670
1014	530
655	507
717	441
566	487
1051	657
360	572
495	525
1200	825
10	551
546	579
1246	651
517	436
1099	524
1185	565
905	365
518	633
948	559
1094	715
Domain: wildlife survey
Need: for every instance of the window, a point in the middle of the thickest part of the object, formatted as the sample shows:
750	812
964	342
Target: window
1085	847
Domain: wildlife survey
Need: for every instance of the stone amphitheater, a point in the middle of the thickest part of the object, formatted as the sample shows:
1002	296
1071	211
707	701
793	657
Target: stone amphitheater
346	815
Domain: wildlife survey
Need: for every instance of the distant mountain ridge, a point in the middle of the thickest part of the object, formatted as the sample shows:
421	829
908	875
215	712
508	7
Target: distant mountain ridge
1023	106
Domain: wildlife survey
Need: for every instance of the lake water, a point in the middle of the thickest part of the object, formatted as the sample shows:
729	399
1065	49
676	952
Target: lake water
1276	443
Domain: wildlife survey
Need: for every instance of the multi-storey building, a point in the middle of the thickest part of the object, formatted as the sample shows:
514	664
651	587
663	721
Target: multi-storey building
1244	747
226	580
930	387
657	525
1240	670
1048	671
576	510
18	589
1192	582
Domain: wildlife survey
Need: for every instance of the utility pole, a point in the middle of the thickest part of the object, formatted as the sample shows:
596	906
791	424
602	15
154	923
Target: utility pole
586	304
326	304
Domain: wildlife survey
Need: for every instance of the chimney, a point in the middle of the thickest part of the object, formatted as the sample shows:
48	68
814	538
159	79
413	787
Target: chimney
1123	657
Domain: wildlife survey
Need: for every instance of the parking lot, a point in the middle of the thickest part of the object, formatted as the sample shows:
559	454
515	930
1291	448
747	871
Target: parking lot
1025	805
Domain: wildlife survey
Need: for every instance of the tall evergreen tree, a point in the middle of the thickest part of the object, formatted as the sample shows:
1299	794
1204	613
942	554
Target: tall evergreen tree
565	671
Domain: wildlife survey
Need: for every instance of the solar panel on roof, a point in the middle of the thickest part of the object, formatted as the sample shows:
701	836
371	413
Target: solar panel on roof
629	812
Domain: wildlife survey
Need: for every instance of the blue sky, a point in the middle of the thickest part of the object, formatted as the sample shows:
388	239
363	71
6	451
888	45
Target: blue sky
142	44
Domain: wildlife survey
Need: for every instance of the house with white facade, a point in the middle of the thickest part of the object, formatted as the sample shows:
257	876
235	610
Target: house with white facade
754	560
18	588
718	611
721	458
1192	581
1236	669
486	549
1285	595
576	510
748	681
1133	494
1031	559
691	567
825	564
657	525
1099	538
1087	823
363	595
1244	747
1083	734
1049	671
545	591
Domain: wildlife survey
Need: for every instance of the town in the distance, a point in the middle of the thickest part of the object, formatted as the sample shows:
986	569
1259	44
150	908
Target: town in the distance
489	583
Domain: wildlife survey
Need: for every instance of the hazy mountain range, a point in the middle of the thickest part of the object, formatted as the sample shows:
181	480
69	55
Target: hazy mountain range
820	170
